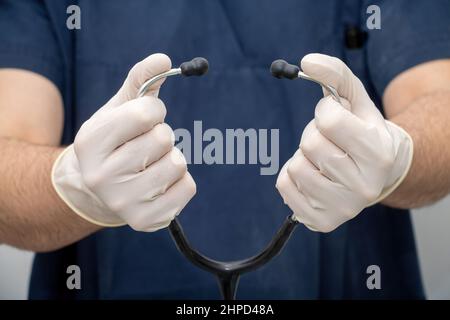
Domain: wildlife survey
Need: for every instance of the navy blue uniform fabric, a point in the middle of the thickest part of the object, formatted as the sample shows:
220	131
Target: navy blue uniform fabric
236	210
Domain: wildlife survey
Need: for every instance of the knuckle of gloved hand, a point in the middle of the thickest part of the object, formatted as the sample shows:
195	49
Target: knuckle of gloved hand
295	169
139	114
191	186
323	225
369	193
147	225
134	75
310	146
82	140
346	213
148	219
177	162
386	160
282	182
78	146
117	205
326	227
164	136
137	225
327	116
157	106
146	112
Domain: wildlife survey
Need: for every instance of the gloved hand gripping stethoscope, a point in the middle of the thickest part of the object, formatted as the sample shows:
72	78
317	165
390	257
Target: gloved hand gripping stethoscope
228	273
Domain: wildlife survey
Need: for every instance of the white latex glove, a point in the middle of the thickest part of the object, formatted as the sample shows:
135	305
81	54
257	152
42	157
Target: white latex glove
123	167
349	157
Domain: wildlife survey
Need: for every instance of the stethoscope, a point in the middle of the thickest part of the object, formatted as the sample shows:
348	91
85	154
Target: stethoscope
228	273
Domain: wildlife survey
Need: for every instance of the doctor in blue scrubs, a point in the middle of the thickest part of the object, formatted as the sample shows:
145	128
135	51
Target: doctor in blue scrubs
53	79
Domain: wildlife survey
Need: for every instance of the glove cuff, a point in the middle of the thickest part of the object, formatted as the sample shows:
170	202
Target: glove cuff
68	184
404	157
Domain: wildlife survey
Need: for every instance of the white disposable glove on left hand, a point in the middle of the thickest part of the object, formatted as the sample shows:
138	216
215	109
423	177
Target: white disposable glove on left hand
349	157
122	167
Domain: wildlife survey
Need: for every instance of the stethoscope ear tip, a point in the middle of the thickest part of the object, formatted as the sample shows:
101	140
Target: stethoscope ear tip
281	69
196	67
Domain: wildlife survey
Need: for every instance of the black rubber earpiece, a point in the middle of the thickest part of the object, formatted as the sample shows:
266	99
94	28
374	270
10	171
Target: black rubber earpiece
196	67
281	69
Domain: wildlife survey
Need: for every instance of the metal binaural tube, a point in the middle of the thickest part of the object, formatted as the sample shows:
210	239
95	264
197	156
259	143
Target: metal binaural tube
332	91
147	84
196	67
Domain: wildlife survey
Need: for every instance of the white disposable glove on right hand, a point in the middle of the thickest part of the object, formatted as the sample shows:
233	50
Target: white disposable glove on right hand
123	167
349	157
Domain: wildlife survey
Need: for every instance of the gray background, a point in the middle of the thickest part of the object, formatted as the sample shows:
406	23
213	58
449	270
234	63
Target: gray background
432	225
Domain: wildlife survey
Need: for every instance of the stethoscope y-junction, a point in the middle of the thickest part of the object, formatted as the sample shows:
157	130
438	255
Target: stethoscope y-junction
228	273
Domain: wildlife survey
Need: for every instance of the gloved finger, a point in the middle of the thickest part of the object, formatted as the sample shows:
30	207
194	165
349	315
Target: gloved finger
160	175
361	140
314	219
320	192
332	71
102	135
156	214
137	154
135	187
328	158
139	73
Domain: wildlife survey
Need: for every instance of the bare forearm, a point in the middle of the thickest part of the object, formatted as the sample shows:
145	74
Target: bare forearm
31	214
427	120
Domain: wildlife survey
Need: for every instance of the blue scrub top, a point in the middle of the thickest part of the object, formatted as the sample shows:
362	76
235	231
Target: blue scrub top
236	210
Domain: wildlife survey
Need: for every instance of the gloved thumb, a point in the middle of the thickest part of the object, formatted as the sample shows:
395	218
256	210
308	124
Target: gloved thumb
139	73
333	72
